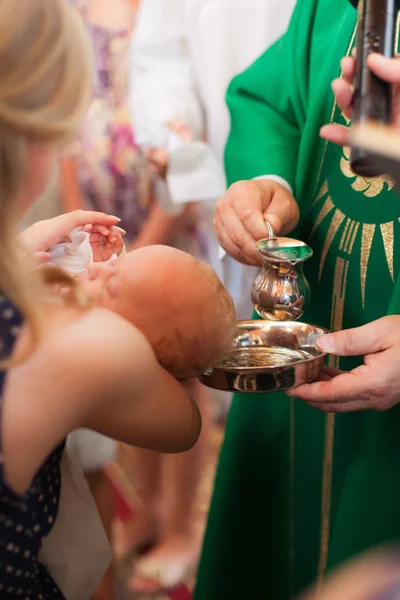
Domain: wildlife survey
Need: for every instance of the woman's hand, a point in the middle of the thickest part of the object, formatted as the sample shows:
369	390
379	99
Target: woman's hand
106	241
241	213
375	385
44	234
387	69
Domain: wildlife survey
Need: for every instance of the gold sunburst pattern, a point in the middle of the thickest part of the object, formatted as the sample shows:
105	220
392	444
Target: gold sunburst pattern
369	186
349	235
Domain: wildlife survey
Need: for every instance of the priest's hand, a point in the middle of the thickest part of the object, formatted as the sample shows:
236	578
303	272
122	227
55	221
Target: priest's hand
375	385
387	69
241	213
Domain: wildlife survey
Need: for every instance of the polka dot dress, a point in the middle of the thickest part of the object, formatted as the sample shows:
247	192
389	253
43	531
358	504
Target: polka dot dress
25	520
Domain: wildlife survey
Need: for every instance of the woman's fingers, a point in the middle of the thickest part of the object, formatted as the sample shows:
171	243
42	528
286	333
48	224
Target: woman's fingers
79	218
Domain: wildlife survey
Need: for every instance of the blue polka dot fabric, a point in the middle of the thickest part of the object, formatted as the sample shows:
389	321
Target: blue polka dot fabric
25	520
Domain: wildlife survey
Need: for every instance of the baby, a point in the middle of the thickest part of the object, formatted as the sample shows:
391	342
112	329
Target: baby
175	300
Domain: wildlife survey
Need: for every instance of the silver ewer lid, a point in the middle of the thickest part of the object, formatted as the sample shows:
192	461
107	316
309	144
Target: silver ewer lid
282	249
280	291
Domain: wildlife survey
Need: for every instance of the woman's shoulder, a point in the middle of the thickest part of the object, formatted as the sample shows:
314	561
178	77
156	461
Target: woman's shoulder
95	336
75	370
80	351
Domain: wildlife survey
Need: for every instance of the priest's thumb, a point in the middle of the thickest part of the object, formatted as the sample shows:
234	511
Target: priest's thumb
368	339
274	221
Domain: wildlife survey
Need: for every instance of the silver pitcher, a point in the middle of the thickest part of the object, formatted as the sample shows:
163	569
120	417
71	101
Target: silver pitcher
281	291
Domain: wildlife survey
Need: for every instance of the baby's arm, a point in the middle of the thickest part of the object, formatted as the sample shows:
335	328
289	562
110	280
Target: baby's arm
103	376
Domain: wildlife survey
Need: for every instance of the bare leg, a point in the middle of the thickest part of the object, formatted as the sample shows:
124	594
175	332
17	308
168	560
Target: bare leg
178	551
101	489
145	528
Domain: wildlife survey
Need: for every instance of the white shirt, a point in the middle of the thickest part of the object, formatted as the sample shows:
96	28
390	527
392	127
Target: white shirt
186	52
183	57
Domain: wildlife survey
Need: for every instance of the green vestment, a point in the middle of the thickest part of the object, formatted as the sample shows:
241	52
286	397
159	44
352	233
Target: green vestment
298	491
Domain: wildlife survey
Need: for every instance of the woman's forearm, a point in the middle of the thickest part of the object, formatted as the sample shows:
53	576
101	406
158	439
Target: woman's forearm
159	227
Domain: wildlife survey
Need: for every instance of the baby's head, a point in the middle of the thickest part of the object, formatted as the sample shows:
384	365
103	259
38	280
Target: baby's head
175	300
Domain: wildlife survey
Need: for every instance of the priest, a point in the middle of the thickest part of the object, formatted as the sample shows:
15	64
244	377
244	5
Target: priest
298	489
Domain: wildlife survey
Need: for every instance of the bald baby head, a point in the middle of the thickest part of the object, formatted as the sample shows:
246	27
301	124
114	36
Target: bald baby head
177	302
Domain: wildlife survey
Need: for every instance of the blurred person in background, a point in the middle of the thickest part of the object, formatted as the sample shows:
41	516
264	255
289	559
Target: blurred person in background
184	54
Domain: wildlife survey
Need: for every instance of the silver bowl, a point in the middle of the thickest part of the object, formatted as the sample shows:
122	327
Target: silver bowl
268	356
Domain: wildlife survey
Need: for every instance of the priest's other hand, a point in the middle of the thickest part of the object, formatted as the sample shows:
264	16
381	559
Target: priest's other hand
387	69
241	213
375	385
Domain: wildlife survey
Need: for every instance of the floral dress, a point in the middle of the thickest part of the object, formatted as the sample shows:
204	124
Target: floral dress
111	171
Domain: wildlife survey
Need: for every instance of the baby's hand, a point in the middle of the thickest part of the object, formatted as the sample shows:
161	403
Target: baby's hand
106	241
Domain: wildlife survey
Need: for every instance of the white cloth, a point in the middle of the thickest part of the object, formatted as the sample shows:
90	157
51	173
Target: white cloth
91	450
194	172
74	256
77	552
184	55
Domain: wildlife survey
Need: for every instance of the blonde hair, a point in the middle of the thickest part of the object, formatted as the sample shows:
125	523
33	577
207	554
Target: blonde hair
45	71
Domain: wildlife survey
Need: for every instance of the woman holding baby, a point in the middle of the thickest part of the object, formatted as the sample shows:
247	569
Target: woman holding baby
56	376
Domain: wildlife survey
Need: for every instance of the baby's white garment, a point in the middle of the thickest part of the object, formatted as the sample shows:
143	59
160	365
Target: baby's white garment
77	552
91	450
